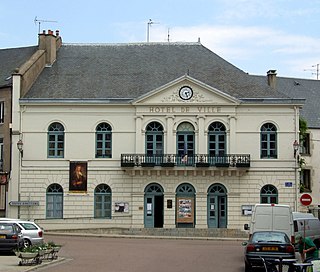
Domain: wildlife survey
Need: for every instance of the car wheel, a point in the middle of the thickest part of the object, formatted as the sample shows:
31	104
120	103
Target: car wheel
26	243
247	267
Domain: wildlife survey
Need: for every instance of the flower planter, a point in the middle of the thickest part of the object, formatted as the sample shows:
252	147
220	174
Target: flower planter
28	255
148	164
202	164
243	164
222	164
127	164
167	164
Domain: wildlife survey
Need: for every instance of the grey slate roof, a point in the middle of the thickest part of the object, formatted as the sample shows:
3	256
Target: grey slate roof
127	71
301	88
13	58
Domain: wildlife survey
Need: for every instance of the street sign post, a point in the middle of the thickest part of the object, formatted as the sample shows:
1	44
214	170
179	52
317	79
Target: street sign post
24	203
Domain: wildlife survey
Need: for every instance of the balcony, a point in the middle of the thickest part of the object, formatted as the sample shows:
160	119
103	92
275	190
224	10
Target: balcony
174	160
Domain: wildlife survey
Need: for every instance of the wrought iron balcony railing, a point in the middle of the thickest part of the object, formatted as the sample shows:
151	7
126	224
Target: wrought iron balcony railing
195	160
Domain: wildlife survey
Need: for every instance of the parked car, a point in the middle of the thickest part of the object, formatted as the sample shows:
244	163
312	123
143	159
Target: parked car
269	245
307	225
32	233
10	236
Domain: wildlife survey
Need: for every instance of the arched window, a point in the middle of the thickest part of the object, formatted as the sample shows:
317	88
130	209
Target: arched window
269	194
56	140
268	141
54	201
103	141
154	138
217	139
102	201
185	144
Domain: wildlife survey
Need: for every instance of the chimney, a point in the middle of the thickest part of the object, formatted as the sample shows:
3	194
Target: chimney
50	43
272	79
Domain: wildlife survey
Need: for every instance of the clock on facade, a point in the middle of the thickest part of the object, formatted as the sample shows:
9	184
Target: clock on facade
186	93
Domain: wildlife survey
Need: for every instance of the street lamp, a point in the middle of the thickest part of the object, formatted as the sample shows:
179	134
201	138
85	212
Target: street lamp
20	147
295	147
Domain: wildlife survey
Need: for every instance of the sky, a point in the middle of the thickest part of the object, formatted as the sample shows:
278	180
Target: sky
254	35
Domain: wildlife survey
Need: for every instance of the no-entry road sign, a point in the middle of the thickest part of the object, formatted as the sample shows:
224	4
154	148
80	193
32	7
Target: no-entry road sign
306	199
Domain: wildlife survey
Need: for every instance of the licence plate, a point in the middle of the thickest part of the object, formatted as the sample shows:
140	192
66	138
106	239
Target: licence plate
269	248
2	237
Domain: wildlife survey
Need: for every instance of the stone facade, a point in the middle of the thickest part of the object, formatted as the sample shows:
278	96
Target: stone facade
182	195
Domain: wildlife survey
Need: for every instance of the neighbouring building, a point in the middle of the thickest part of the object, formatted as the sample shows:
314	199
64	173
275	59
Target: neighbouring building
148	135
309	174
10	60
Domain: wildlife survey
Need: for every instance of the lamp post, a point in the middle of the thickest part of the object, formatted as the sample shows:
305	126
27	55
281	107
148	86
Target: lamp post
20	147
296	146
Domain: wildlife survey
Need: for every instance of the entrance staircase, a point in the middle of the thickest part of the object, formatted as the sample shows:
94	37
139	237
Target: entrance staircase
163	232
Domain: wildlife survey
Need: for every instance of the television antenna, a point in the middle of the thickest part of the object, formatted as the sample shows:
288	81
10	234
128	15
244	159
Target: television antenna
39	21
314	69
148	28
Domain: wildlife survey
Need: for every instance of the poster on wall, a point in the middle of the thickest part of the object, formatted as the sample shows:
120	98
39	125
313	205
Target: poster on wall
78	177
3	178
185	210
121	207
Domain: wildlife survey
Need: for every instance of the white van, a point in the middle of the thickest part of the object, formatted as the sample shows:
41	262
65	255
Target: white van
307	225
272	217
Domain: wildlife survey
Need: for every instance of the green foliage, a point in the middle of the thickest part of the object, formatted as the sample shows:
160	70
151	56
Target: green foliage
303	127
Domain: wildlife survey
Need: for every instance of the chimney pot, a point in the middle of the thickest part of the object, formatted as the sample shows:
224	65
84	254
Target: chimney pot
271	74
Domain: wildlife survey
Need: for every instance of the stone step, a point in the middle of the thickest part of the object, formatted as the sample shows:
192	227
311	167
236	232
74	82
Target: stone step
163	232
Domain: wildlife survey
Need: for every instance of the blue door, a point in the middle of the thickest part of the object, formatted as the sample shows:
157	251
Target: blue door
154	143
153	206
185	144
217	206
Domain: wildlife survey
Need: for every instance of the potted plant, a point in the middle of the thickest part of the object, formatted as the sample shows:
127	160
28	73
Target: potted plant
27	252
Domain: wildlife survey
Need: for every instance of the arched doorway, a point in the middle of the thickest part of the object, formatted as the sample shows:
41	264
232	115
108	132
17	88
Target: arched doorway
153	206
54	201
217	206
185	206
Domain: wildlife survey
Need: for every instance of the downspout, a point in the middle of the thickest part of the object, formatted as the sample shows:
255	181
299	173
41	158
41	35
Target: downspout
296	166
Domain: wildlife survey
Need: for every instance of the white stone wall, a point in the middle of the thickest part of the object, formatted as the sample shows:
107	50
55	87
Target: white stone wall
243	123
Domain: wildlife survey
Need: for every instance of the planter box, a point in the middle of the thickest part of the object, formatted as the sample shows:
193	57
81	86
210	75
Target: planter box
127	164
222	164
202	164
148	164
243	164
27	255
167	164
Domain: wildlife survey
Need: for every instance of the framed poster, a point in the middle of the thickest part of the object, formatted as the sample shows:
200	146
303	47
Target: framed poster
121	207
78	177
185	209
3	178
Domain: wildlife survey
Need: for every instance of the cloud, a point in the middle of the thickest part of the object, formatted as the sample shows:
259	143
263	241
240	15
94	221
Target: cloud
244	45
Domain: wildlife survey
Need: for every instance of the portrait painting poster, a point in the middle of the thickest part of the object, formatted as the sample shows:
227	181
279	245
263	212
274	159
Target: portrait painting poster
78	177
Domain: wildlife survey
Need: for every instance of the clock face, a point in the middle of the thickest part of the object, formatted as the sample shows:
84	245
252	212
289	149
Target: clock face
186	93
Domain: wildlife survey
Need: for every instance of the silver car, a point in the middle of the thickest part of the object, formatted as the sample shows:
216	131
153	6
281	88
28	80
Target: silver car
32	233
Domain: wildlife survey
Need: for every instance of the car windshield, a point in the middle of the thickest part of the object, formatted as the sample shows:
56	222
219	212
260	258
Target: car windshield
4	228
275	237
28	226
